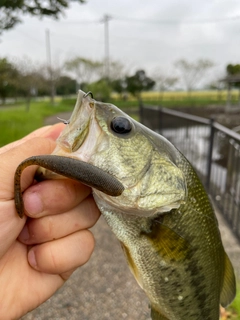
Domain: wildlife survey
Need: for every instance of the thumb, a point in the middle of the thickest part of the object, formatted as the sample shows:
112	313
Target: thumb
9	161
13	157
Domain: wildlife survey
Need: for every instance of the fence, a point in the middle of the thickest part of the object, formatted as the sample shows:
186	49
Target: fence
213	150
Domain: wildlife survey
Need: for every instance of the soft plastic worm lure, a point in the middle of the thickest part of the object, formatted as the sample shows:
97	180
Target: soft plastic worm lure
70	168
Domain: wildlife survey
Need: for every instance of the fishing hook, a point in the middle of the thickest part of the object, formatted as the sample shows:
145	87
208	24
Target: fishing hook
63	120
87	94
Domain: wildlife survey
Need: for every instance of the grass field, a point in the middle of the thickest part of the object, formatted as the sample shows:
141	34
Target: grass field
182	98
15	123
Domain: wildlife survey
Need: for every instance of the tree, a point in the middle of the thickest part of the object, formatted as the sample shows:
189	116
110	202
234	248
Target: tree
233	71
100	89
193	72
53	74
116	70
65	86
29	79
163	82
8	75
219	86
11	10
85	70
120	86
139	82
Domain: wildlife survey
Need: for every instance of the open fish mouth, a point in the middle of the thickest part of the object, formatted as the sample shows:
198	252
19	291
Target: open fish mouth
80	137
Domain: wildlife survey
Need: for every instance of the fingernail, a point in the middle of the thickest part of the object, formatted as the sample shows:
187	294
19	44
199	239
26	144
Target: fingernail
32	259
33	203
24	235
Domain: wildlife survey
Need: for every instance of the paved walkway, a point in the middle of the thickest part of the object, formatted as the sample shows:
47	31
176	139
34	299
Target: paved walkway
231	243
104	288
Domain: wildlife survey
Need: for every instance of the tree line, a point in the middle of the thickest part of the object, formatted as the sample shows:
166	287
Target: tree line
27	79
23	78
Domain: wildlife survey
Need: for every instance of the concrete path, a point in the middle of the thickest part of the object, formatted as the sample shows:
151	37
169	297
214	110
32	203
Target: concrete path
230	242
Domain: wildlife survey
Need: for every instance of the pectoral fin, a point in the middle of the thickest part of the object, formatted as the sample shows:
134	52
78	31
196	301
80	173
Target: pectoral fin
168	243
156	315
229	284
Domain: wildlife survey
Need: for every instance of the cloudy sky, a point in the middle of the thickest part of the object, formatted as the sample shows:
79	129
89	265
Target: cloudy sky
142	34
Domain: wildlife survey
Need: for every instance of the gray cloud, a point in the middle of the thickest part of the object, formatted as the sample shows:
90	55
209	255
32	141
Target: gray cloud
143	34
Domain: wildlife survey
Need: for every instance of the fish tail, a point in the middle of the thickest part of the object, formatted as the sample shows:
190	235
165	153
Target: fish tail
156	315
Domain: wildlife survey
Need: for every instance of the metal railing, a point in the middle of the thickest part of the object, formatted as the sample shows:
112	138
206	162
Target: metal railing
212	149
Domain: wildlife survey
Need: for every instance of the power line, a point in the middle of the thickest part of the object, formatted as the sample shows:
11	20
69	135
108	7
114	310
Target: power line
81	21
188	21
30	37
81	37
160	21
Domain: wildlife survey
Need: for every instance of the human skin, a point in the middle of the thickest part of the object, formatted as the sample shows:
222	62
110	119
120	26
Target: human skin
39	252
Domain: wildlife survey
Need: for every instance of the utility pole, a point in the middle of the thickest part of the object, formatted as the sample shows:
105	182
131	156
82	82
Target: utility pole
49	63
106	20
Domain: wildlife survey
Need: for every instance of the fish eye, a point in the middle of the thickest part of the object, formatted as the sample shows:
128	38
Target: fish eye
121	125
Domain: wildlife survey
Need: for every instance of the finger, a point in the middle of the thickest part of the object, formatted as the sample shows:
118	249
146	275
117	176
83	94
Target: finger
11	226
53	197
8	164
62	255
54	227
54	131
34	146
12	158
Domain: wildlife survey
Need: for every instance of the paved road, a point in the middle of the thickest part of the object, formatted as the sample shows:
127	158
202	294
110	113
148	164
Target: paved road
54	119
104	288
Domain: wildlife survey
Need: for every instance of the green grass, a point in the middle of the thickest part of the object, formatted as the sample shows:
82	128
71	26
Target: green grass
234	308
15	122
175	99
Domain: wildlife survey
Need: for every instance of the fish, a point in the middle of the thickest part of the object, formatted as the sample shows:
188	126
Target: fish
160	212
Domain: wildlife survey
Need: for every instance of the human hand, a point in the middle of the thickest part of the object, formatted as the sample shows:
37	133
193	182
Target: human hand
39	252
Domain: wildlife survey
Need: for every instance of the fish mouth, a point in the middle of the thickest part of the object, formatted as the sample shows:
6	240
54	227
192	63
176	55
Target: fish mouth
80	137
76	145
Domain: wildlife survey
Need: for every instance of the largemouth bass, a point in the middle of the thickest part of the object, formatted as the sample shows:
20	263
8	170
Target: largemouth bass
162	216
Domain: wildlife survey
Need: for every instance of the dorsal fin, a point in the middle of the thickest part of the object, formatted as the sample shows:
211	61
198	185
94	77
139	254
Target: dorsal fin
229	284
